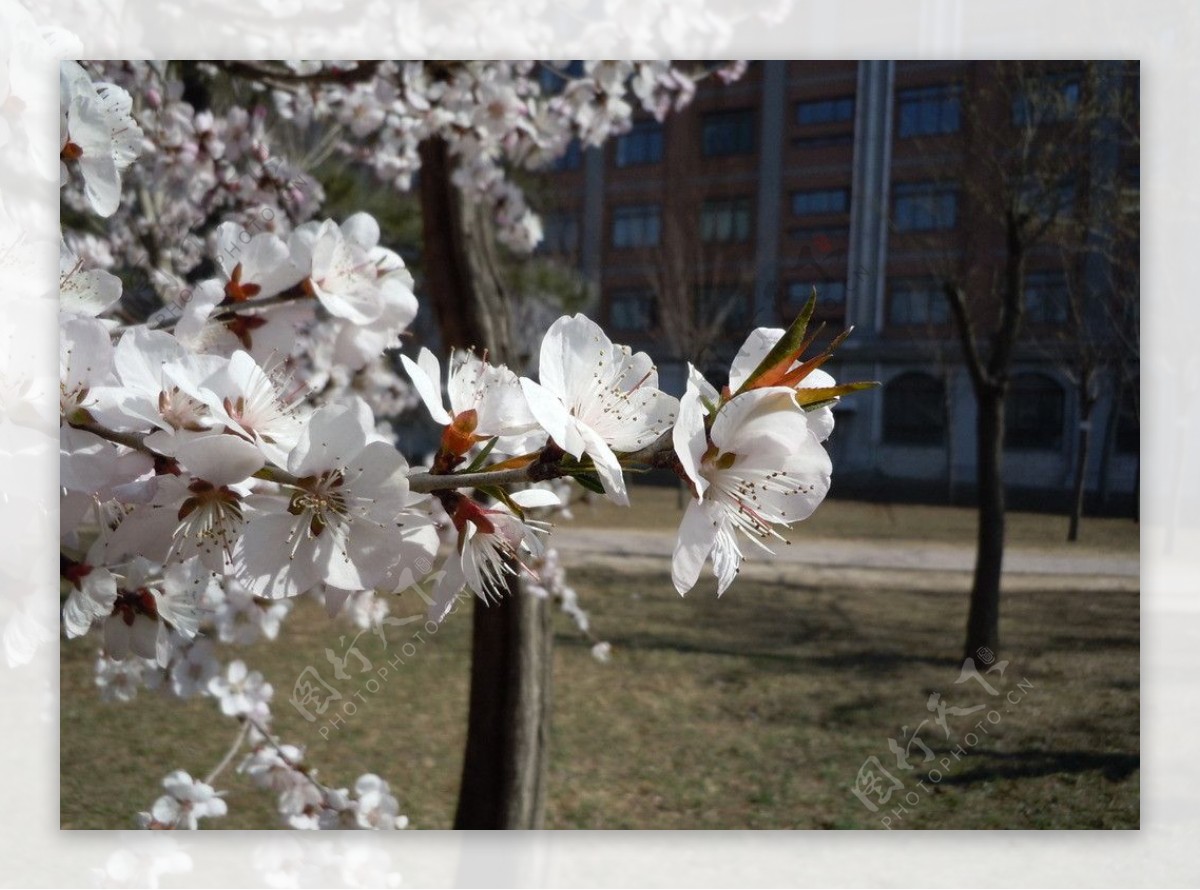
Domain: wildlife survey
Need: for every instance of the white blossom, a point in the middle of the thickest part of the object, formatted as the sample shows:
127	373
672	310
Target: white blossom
493	544
243	618
192	671
186	802
99	135
596	398
121	680
760	466
242	692
348	524
83	291
485	400
755	349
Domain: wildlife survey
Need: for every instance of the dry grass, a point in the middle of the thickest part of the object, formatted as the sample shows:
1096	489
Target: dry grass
658	507
754	711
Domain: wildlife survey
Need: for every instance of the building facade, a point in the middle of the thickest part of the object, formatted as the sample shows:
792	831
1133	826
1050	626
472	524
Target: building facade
875	183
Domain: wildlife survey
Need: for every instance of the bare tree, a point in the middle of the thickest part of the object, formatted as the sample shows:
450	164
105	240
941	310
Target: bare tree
697	275
1030	135
1092	334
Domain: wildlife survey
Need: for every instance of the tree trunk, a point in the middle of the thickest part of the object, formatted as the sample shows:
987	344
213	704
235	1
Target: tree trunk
504	768
444	261
1083	449
983	619
504	764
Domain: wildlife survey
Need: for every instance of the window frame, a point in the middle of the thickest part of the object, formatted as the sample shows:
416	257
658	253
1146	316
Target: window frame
842	192
936	309
739	211
743	141
629	294
1024	102
943	96
641	213
927	191
648	135
836	105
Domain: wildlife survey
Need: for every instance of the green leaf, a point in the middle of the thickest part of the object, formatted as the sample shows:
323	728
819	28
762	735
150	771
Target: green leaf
590	481
477	463
784	352
809	396
506	498
498	493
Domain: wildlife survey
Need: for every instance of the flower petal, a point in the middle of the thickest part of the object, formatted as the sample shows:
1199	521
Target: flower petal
426	375
608	467
335	434
753	351
688	435
536	497
219	458
550	413
697	533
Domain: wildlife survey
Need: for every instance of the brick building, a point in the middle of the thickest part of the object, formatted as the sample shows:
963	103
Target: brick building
870	181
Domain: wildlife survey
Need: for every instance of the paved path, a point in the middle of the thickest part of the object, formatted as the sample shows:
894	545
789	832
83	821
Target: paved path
637	546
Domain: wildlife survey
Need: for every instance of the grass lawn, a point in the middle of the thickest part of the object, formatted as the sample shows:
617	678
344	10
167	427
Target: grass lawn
754	711
658	507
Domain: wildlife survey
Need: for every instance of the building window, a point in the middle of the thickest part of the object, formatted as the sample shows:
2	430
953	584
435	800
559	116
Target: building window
1034	413
571	159
725	301
829	293
820	201
914	410
1046	100
725	220
1047	298
925	207
560	232
725	133
636	225
825	111
641	145
632	310
917	302
553	77
929	111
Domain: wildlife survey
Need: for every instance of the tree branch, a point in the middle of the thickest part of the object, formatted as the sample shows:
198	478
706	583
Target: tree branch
136	441
660	453
966	333
1012	305
226	312
229	755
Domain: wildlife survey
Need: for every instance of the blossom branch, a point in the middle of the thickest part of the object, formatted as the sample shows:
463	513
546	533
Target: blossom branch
136	441
659	454
230	754
227	312
283	755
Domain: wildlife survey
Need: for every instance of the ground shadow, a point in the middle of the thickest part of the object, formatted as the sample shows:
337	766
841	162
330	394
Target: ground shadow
1115	766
